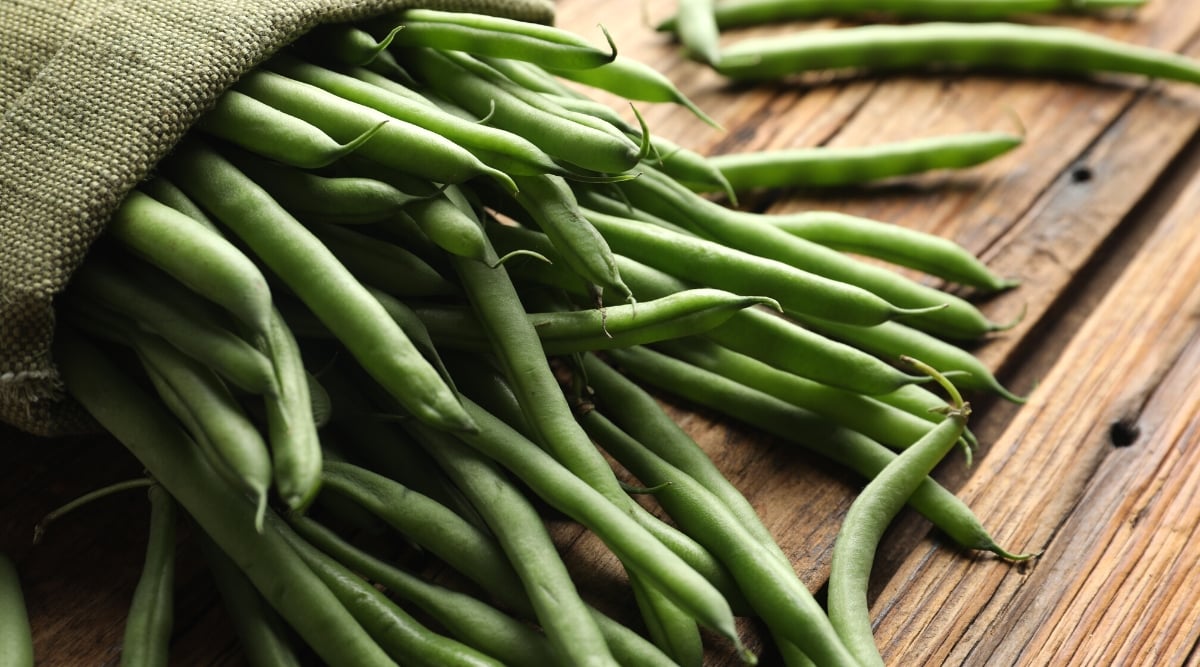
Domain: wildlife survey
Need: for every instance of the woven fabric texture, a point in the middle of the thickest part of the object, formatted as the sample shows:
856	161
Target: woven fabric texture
94	93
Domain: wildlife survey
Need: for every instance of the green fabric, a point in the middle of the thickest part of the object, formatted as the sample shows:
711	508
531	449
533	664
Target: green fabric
94	93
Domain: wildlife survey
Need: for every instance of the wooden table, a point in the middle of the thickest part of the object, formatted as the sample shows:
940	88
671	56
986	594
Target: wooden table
1096	214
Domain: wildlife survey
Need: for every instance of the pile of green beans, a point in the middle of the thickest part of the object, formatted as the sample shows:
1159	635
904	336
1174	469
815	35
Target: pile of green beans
417	274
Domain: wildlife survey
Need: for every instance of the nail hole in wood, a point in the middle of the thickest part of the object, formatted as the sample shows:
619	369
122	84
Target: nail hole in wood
1123	432
1081	174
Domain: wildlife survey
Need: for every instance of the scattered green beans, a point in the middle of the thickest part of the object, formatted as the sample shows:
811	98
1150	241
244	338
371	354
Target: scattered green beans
151	612
902	246
1016	47
741	13
836	166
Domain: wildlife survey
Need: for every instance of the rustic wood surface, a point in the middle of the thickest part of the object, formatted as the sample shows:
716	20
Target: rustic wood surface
1097	215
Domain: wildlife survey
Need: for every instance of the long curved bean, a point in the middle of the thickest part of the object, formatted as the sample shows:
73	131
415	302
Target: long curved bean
897	244
153	436
549	200
563	332
322	282
499	37
16	637
151	612
198	258
842	445
472	621
503	150
263	129
163	306
850	165
565	138
718	266
263	636
741	13
747	232
696	27
1010	46
893	339
869	515
400	145
634	80
520	531
772	588
404	638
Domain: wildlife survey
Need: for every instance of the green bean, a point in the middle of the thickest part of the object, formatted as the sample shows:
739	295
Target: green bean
697	29
549	200
573	634
153	436
423	521
741	13
474	553
564	332
233	444
878	421
870	514
669	627
718	266
323	283
510	109
343	200
16	637
261	128
827	166
629	540
777	595
160	305
899	245
261	632
503	150
499	37
892	339
749	233
386	266
473	622
291	428
1016	47
151	612
532	77
634	80
400	145
450	228
198	258
162	189
404	638
773	340
799	426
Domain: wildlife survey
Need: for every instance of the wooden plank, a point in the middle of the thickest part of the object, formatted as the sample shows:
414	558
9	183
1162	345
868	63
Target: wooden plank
1117	583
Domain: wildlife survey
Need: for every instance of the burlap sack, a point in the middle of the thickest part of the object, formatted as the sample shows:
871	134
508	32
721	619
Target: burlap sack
94	93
